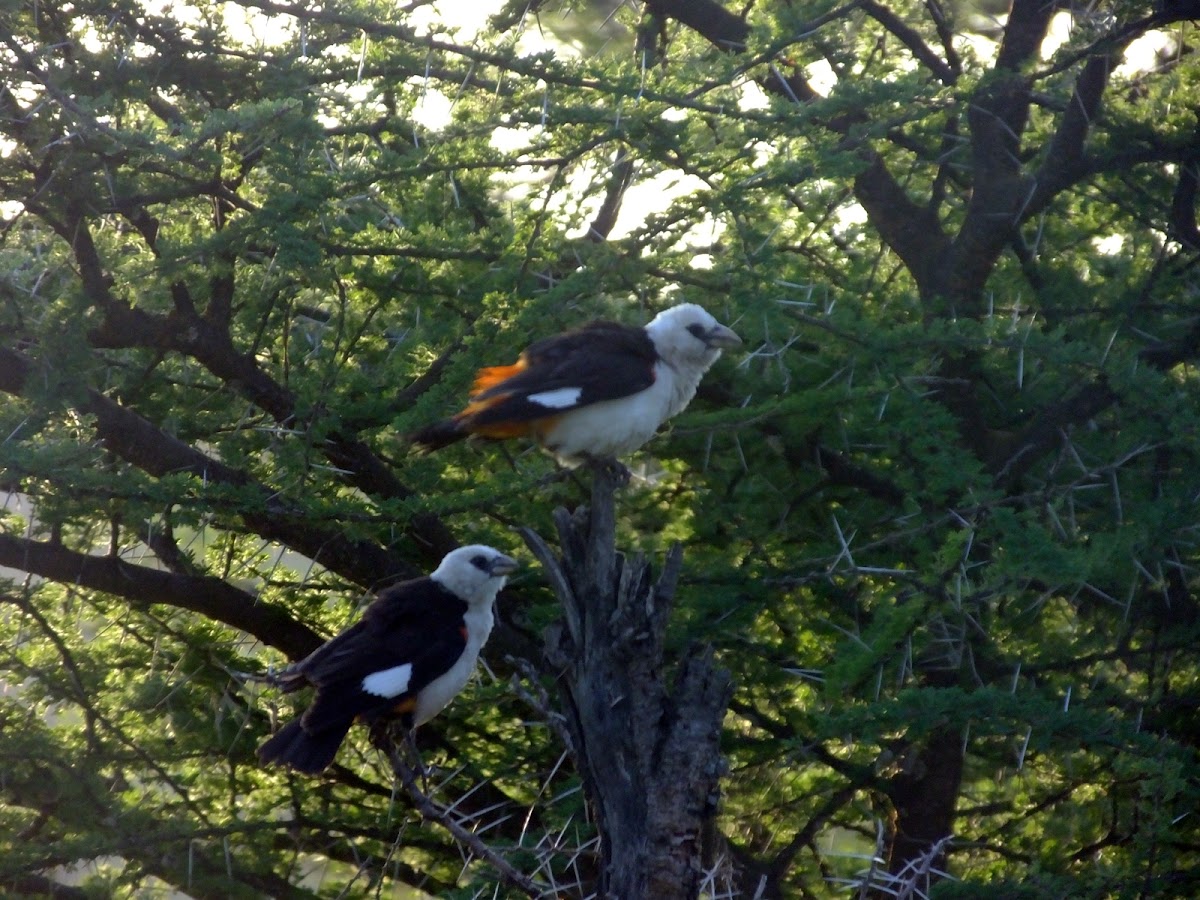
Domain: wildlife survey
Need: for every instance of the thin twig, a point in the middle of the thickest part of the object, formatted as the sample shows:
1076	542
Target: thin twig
434	812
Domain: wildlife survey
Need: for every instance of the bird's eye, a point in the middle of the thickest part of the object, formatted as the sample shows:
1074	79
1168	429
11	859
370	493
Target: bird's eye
480	562
698	331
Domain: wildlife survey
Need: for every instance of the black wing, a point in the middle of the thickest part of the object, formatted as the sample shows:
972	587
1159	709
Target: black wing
601	360
417	623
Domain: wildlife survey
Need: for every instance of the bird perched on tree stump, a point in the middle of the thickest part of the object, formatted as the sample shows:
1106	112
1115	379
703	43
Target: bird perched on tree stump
593	393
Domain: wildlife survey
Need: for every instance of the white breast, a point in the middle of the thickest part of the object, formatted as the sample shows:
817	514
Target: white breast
618	427
438	693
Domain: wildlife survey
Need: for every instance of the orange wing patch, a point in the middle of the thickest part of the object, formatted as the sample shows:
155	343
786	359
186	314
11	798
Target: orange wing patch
486	379
497	430
407	705
502	430
489	379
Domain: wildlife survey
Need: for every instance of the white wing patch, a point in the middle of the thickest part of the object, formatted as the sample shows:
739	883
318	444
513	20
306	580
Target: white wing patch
388	682
559	398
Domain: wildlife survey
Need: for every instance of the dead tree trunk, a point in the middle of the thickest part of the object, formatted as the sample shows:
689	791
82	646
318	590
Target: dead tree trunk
648	751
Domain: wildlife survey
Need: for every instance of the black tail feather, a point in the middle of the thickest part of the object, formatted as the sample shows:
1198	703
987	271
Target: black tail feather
304	752
438	435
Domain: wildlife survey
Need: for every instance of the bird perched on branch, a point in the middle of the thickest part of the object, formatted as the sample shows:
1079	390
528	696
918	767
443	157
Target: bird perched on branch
596	392
408	656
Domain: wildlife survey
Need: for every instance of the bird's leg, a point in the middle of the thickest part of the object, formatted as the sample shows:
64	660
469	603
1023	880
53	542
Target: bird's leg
414	755
566	473
620	473
508	457
399	742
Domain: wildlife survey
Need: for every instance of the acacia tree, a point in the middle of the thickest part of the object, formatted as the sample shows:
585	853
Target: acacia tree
939	522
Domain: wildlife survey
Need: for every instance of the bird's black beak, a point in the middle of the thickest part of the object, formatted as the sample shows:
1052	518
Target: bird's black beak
722	338
502	565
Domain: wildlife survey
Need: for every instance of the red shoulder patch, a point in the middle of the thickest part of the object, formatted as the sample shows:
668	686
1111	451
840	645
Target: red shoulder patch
406	705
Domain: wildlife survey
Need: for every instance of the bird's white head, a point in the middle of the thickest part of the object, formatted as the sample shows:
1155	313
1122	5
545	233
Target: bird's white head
688	338
476	573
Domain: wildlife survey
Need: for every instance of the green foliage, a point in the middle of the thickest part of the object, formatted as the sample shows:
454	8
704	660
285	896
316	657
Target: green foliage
941	508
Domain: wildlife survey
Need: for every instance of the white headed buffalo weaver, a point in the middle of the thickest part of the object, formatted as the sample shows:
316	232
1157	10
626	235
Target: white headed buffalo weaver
408	656
597	392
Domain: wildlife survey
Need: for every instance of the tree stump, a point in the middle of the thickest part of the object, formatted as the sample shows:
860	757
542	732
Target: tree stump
648	752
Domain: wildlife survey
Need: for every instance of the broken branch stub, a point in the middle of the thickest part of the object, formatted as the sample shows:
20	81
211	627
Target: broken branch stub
647	744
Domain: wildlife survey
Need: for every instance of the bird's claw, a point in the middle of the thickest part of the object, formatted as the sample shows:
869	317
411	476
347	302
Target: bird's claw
611	467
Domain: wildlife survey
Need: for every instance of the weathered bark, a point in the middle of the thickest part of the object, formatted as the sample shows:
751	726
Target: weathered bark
648	751
924	796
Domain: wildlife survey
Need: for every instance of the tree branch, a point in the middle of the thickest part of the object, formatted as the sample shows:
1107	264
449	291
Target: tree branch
142	586
465	837
707	18
912	231
618	183
1019	455
209	342
910	39
1183	207
1065	161
1024	33
998	115
211	345
649	755
146	446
